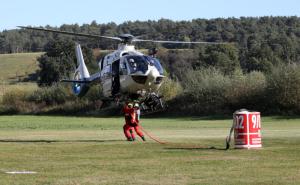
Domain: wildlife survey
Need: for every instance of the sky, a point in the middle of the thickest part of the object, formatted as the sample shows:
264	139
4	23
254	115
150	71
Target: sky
57	12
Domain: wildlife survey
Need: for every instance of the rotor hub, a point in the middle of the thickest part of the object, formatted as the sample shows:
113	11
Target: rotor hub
126	38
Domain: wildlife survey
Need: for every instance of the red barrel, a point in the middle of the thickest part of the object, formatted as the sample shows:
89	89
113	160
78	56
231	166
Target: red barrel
247	129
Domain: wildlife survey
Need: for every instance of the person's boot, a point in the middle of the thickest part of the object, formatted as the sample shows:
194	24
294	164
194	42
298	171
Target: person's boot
143	138
129	139
132	135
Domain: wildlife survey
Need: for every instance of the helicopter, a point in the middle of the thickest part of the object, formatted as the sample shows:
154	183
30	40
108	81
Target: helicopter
125	74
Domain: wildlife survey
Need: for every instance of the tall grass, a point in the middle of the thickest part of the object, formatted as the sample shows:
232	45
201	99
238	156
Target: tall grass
56	99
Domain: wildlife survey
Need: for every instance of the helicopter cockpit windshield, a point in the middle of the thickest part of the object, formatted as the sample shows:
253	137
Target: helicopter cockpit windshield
156	63
139	63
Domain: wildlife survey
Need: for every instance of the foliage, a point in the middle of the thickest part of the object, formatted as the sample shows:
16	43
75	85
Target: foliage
55	99
209	91
224	57
55	94
94	93
13	101
247	91
284	87
170	89
203	92
261	42
258	70
59	61
176	62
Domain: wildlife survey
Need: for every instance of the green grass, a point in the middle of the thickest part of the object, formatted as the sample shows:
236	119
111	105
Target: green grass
15	66
76	150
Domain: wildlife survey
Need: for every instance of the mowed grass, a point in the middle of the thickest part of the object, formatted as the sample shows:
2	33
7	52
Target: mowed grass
13	66
76	150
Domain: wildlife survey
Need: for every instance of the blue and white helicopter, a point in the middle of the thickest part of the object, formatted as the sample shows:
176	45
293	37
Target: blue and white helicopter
125	74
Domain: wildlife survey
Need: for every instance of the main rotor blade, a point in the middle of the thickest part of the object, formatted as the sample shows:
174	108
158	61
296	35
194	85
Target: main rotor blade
177	42
71	33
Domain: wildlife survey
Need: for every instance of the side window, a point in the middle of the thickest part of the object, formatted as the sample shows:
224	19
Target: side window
116	67
107	71
123	67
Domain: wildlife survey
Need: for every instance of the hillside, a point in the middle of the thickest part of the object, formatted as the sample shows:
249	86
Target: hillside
16	67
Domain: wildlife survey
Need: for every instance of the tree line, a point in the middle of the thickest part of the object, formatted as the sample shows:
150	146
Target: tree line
259	42
258	69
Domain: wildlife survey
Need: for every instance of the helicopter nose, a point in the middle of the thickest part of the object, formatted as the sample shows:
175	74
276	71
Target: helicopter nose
151	75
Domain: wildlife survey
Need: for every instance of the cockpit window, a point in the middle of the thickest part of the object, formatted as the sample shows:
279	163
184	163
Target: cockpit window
156	63
140	63
137	63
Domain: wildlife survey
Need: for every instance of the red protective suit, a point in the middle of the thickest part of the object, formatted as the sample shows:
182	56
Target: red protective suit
131	122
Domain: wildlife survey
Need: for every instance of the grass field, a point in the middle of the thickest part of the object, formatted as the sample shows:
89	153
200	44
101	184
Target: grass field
73	150
15	66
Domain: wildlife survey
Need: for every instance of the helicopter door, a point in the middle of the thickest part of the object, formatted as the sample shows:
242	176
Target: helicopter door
106	76
115	84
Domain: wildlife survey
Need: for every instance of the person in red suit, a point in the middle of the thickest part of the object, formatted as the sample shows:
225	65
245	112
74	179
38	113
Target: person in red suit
132	122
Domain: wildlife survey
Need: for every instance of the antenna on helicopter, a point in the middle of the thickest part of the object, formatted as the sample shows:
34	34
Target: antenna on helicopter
152	52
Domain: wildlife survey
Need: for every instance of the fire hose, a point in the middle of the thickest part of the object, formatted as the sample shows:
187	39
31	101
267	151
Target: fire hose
174	144
153	138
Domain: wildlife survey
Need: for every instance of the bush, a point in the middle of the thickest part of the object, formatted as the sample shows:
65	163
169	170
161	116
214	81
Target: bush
94	94
209	91
203	92
50	100
51	95
170	89
13	101
247	91
284	88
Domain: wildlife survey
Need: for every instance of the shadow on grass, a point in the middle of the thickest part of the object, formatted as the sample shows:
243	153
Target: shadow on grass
195	148
187	117
55	141
286	117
